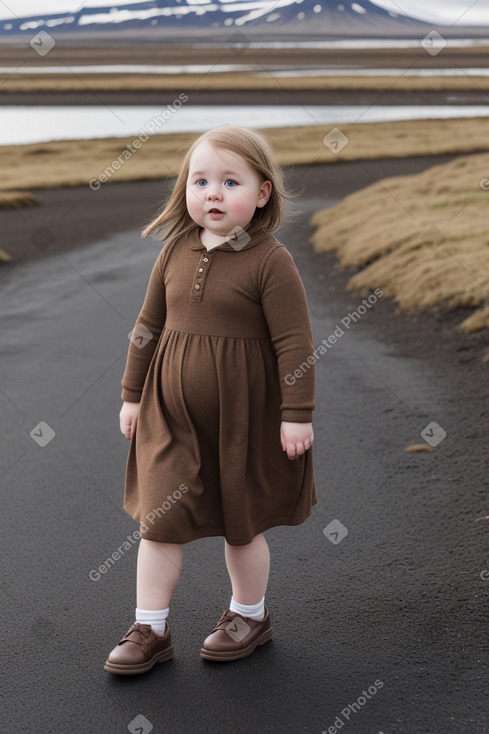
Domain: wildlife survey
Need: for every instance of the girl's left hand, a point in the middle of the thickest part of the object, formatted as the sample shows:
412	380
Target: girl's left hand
296	438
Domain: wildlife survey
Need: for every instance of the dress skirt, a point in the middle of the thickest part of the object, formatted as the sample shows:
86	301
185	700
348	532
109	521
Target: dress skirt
207	458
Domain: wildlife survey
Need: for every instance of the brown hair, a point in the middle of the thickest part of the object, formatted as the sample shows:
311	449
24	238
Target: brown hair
256	150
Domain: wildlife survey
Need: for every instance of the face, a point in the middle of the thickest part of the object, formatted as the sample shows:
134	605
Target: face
223	191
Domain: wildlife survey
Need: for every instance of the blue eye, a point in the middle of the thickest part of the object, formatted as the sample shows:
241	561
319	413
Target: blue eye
230	183
202	182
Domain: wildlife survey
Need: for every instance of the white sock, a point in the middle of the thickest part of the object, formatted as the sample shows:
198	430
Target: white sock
155	617
253	611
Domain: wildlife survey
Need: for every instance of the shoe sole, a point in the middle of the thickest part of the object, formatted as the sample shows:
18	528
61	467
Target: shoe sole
224	657
160	657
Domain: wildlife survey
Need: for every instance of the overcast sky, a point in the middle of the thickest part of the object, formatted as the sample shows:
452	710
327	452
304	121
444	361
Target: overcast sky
445	11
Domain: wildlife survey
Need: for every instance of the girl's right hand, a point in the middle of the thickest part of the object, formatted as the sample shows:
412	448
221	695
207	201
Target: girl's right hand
129	419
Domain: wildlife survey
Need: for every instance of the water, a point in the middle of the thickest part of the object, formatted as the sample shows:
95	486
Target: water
131	69
354	71
20	125
357	43
330	70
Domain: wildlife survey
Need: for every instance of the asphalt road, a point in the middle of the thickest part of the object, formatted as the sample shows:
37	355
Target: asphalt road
384	631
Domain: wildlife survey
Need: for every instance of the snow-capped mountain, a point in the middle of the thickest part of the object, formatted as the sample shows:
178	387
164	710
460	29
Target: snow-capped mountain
168	19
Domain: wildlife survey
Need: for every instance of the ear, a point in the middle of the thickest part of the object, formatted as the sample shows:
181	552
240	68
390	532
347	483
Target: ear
264	194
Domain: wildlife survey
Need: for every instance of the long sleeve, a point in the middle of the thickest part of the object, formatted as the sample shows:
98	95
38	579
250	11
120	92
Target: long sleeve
146	334
285	307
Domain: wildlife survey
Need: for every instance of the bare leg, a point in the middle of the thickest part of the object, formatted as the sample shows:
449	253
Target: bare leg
159	566
248	567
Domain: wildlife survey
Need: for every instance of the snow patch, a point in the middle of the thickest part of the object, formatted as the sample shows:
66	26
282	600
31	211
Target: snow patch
32	25
122	16
60	21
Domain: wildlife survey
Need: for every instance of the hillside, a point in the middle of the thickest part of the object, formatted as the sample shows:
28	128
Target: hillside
238	21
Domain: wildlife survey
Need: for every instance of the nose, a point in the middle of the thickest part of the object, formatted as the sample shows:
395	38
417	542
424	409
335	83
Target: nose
213	195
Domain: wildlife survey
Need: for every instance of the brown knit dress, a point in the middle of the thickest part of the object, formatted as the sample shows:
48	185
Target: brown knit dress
212	361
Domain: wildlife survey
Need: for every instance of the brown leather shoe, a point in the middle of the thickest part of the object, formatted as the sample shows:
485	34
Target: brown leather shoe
235	637
139	650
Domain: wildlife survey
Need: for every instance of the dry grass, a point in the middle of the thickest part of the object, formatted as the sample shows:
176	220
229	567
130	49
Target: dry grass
419	448
16	199
74	163
423	239
232	81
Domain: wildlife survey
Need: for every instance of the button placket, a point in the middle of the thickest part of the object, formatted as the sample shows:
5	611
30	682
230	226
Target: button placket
200	276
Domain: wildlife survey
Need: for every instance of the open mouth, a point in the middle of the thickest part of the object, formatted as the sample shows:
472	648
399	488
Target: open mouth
215	213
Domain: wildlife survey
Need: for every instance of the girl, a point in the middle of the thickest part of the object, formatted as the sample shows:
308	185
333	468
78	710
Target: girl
221	441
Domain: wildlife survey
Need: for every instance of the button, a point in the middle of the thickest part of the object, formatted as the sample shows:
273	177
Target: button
206	259
201	270
197	286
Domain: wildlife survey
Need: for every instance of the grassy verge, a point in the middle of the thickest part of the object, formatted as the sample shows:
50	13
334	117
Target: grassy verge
234	81
74	163
16	199
422	239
